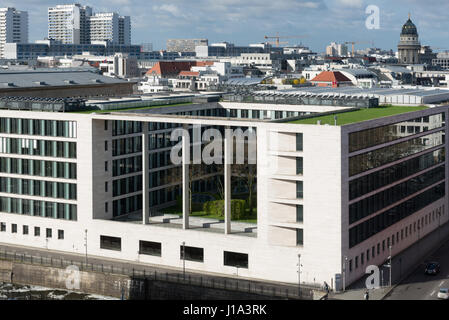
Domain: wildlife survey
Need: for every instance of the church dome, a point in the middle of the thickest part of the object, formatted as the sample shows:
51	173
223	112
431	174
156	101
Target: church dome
409	28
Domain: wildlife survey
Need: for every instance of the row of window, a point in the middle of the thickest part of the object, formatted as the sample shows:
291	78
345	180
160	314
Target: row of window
120	127
378	201
39	208
126	166
126	205
126	146
37	230
49	128
39	188
233	259
40	168
44	148
375	136
382	156
384	177
406	232
126	185
370	227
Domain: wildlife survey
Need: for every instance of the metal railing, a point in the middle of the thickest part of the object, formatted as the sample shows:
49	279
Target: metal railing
280	291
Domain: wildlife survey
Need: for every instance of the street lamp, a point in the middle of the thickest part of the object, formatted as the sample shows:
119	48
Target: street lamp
184	259
299	274
85	243
345	259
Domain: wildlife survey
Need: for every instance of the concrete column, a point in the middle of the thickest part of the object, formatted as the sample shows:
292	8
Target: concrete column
145	175
185	178
227	179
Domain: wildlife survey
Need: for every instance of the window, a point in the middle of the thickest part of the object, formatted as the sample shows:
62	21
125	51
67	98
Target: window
299	237
350	265
106	166
106	186
383	245
367	255
48	233
299	142
25	230
373	253
234	259
105	146
192	253
60	234
14	228
299	213
106	207
37	231
378	248
2	227
299	166
150	248
299	189
110	243
356	262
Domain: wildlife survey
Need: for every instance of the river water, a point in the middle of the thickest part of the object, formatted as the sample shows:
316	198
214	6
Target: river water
26	292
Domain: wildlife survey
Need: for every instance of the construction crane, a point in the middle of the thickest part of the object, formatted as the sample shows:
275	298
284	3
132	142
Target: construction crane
277	37
358	42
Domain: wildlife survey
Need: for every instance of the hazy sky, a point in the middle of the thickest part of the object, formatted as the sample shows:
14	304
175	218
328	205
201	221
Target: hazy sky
247	21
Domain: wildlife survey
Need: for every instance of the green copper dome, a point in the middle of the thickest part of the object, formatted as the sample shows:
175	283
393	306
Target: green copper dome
409	28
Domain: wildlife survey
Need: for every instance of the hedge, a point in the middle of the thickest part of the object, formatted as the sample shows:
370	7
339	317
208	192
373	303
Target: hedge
216	208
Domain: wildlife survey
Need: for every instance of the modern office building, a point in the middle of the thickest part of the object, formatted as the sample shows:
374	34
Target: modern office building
69	23
339	196
185	45
13	27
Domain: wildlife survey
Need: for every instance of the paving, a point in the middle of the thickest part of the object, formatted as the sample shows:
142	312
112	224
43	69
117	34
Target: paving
408	279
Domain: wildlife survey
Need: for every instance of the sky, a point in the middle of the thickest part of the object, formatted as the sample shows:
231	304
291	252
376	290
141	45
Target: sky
314	23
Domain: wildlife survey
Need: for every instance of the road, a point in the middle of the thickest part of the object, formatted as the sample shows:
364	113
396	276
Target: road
419	286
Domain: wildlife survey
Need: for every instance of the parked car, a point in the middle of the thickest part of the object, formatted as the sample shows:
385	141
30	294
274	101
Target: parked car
443	294
432	268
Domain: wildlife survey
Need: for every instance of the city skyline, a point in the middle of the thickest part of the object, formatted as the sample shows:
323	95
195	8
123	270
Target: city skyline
243	22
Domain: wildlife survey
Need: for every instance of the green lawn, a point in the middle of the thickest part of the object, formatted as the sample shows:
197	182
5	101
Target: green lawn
360	115
202	214
131	109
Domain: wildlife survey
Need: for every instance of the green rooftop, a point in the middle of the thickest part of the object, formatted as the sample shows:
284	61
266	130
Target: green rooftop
132	108
359	115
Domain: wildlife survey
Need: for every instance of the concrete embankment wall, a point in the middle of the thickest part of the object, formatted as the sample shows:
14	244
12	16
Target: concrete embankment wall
114	285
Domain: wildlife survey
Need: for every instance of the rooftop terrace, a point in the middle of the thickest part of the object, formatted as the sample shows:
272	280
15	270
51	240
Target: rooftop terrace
359	115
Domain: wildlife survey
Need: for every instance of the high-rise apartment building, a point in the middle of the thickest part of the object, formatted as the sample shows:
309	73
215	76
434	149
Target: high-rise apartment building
75	24
69	23
13	27
110	27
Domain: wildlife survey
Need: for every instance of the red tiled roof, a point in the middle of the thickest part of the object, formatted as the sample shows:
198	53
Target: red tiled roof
170	68
331	76
189	73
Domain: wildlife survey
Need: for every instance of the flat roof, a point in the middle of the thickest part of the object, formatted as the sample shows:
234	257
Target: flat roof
358	115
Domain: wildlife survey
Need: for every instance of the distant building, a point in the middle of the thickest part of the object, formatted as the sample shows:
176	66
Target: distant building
75	24
337	50
167	69
185	45
332	79
225	49
13	27
110	27
409	46
69	23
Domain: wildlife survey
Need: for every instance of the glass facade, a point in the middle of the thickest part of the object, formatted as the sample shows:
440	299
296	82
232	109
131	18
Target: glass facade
126	166
368	228
126	205
126	185
41	168
379	135
38	188
382	156
120	127
43	148
370	205
37	127
38	208
384	177
126	146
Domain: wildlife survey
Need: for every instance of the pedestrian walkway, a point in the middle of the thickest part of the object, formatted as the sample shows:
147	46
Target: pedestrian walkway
403	264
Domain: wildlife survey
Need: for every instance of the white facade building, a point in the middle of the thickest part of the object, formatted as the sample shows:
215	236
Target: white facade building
13	27
110	27
319	189
69	23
